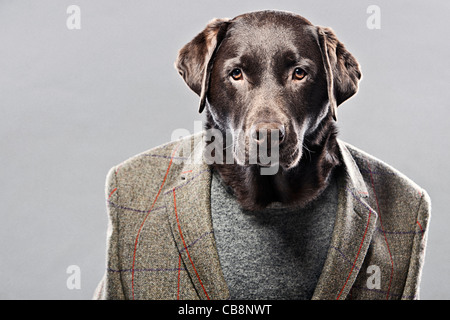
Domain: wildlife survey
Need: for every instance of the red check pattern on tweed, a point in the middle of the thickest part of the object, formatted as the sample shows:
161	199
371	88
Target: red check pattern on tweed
161	241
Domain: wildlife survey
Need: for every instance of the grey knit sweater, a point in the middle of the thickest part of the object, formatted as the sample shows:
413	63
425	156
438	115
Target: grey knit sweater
277	253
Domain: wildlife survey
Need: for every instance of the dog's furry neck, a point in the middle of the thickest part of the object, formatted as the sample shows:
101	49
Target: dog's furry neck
297	186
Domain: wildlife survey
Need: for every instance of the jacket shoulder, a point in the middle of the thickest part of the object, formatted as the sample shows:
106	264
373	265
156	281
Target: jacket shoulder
158	157
139	176
390	190
374	169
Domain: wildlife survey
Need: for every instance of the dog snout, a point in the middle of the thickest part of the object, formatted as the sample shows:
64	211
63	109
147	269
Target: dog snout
262	132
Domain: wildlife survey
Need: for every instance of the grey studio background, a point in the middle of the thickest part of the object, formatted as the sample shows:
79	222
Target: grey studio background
75	102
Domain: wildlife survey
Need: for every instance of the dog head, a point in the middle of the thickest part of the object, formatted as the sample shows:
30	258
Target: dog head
270	71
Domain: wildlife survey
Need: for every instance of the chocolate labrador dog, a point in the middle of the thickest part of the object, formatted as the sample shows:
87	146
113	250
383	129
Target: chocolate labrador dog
272	74
264	78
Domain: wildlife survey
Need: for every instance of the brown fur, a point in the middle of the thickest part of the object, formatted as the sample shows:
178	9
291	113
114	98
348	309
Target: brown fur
267	46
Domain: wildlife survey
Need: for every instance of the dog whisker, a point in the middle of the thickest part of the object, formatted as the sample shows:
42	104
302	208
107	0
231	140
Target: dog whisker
309	151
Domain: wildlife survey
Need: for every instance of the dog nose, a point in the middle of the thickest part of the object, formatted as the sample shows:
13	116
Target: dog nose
263	131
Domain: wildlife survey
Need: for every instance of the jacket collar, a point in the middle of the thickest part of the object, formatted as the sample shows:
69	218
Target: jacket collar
188	206
352	233
353	174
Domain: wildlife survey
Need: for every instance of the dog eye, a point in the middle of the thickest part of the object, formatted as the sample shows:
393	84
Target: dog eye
299	74
236	74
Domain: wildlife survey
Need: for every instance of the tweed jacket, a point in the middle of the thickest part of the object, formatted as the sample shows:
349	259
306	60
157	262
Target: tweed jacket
160	238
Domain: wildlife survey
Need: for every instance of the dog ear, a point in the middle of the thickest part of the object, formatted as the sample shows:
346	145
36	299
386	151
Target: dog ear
342	69
195	59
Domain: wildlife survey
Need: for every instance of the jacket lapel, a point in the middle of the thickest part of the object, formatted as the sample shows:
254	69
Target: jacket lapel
354	226
188	208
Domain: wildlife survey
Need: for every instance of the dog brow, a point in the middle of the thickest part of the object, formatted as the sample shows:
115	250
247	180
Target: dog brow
307	64
291	59
232	62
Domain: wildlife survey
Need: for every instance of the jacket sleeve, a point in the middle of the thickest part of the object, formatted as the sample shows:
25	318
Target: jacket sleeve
411	290
110	287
